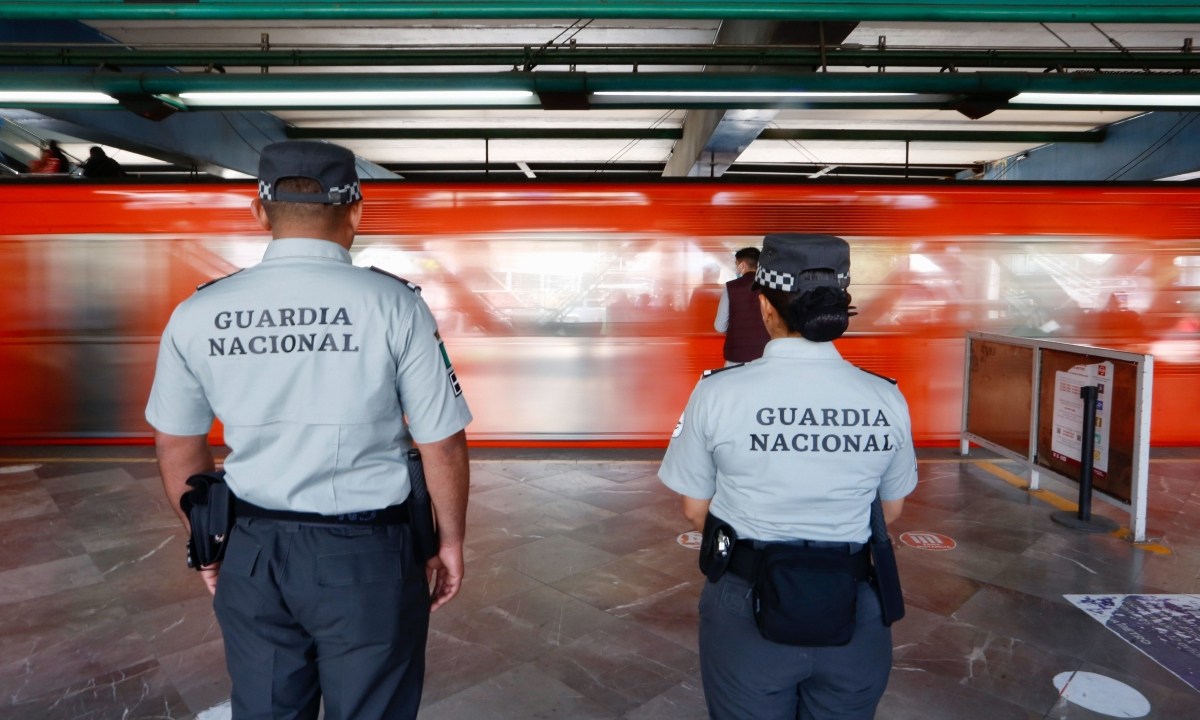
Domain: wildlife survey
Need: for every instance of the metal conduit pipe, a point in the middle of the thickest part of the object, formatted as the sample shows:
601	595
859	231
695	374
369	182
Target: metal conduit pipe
584	82
18	55
1075	11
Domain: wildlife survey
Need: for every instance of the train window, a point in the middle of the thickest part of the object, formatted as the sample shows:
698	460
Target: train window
1189	270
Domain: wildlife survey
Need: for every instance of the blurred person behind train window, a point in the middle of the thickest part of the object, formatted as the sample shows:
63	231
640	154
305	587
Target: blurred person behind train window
702	304
52	161
325	375
99	165
786	456
738	314
1118	320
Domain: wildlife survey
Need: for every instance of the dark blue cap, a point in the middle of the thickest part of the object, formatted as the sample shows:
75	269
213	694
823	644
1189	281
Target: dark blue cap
785	255
331	166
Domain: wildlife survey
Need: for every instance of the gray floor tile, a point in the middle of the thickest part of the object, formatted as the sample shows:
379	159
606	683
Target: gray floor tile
621	668
522	693
554	558
579	602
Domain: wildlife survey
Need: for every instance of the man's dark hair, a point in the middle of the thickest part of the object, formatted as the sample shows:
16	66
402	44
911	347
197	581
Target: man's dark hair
749	254
820	315
317	214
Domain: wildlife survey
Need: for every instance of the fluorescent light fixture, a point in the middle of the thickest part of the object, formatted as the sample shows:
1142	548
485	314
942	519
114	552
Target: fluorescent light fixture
1115	100
737	95
350	98
39	97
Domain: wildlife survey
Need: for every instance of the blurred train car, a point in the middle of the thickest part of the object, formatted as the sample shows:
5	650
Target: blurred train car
582	313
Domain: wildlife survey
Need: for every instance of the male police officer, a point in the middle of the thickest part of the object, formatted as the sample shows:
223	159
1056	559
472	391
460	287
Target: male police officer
323	374
738	314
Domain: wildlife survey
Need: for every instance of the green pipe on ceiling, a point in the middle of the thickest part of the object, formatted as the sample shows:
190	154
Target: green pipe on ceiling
40	56
484	133
943	87
1068	11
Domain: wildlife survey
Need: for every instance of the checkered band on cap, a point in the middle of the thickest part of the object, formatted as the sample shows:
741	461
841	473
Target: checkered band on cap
343	195
775	280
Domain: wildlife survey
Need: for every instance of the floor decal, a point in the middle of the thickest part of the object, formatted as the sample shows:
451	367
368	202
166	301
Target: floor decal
1102	694
1164	627
690	539
220	712
924	540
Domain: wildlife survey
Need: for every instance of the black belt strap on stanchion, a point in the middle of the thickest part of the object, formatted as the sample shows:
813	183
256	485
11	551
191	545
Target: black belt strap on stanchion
1083	520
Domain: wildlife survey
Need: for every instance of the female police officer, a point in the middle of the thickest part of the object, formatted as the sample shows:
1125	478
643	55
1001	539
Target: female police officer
779	461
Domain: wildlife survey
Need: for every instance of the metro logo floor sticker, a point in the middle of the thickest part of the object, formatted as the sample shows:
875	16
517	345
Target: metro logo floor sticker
1164	627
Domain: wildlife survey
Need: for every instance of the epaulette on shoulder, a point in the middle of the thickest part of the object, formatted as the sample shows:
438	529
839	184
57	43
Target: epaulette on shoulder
885	377
411	285
714	371
214	281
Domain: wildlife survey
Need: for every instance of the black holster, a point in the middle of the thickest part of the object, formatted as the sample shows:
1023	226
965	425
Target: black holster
209	506
716	547
886	573
420	508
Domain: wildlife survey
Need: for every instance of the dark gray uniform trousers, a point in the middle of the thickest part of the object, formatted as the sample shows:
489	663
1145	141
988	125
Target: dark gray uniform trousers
312	611
749	678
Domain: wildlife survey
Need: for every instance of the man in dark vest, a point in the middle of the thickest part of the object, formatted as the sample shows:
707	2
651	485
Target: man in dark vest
738	314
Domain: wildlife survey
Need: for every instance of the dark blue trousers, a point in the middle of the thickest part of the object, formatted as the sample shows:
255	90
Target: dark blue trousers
749	678
312	612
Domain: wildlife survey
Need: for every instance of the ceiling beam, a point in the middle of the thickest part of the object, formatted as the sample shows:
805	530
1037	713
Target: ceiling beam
714	138
1148	147
1075	11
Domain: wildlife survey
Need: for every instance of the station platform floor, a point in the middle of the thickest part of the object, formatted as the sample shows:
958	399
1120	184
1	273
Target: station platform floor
581	590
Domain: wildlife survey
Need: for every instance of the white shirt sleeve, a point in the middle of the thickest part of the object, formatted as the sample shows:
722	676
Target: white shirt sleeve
177	404
688	468
900	477
430	394
721	324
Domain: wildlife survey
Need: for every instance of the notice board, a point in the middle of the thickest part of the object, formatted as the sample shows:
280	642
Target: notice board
1000	394
1116	480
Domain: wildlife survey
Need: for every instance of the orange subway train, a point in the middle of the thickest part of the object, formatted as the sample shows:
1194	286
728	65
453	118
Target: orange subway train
582	314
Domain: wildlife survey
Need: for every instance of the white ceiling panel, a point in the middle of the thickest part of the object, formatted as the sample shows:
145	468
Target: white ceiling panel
660	34
510	151
875	153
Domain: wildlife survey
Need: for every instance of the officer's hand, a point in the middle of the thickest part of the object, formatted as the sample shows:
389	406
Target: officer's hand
445	574
208	574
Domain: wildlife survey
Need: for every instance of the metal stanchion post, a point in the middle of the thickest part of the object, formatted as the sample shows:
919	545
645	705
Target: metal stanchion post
1083	520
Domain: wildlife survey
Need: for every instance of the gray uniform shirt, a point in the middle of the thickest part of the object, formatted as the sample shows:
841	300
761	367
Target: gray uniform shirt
322	373
794	445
